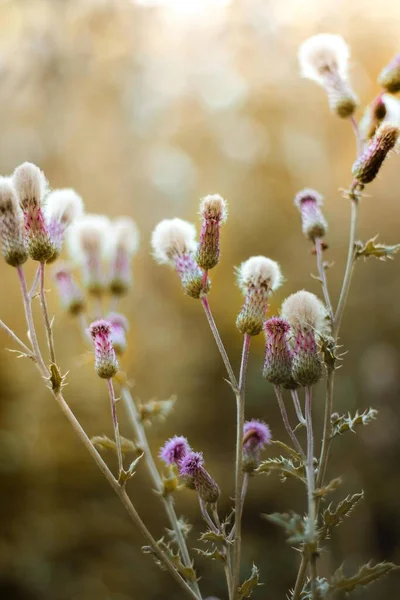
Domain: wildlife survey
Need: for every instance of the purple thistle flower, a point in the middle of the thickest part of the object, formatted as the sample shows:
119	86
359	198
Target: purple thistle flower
174	450
278	353
194	475
256	435
119	327
314	224
307	365
106	364
367	166
71	296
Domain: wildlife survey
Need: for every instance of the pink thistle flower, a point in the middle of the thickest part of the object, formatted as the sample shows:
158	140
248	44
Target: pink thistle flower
314	224
194	474
174	450
31	187
213	212
278	354
106	364
256	435
124	244
62	207
71	296
14	248
368	165
119	328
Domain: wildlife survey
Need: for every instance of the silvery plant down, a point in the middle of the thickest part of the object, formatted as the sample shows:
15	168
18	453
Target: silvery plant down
301	347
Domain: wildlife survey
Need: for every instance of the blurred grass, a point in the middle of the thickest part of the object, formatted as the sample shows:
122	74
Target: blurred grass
143	110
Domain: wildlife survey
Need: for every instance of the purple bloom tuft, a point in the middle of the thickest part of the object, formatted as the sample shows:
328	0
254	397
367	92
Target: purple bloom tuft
191	464
174	450
257	435
196	477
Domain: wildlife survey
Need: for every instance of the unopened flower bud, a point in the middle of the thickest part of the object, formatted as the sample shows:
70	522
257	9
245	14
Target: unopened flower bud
324	58
256	435
367	166
106	364
31	187
278	354
71	296
313	221
389	77
175	450
14	248
62	207
124	243
213	212
174	244
87	240
257	277
193	473
119	329
308	318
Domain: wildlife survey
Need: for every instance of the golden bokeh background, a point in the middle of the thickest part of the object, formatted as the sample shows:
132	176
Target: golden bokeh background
143	107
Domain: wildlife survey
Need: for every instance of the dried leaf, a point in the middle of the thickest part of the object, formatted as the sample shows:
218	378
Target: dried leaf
284	466
330	487
347	422
367	574
292	523
248	586
332	517
379	251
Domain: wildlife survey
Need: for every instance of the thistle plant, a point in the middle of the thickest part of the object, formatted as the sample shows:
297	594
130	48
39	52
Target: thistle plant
301	346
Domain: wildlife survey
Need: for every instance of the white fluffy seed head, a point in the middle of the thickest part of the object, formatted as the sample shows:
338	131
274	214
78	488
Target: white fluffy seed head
125	235
214	206
323	55
63	205
8	198
88	235
30	184
171	238
303	310
259	272
310	195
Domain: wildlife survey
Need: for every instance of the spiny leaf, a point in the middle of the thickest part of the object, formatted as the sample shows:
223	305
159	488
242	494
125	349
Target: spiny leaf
347	422
247	587
186	571
156	409
211	536
322	588
22	354
367	574
295	455
292	523
330	487
57	381
379	251
214	554
102	442
334	516
183	525
284	466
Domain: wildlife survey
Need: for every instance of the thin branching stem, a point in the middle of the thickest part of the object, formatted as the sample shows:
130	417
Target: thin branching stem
16	339
285	419
114	417
322	275
239	475
311	532
207	517
297	407
48	327
35	283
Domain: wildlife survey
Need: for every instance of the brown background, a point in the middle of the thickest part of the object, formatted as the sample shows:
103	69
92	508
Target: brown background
142	111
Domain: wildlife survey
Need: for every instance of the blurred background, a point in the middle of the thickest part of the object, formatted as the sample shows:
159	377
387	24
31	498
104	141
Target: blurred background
143	107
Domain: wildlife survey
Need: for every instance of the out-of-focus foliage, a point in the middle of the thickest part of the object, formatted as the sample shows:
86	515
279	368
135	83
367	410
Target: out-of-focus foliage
144	109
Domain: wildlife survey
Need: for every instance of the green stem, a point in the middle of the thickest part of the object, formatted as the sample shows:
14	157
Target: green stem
115	423
49	332
311	533
322	276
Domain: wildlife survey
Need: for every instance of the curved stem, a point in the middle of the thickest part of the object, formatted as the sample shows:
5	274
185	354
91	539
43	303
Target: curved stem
322	276
285	418
34	284
240	401
220	345
297	407
49	332
114	417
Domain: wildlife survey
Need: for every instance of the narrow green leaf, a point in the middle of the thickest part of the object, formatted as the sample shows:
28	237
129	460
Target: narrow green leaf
348	423
367	574
284	467
295	455
334	516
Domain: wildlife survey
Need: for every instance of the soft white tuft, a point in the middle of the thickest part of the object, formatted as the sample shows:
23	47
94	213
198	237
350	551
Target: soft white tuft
308	194
304	310
63	205
259	272
323	55
30	183
214	206
125	235
8	198
171	238
89	234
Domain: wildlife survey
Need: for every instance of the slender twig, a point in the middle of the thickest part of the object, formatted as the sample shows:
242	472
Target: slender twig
297	407
48	327
285	418
322	276
16	339
311	533
220	345
301	575
240	401
326	438
35	283
140	433
359	141
115	423
207	517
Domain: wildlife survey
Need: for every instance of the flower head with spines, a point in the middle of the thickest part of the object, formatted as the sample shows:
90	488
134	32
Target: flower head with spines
124	243
106	363
278	358
71	296
62	207
14	248
193	473
213	213
174	450
256	435
309	203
